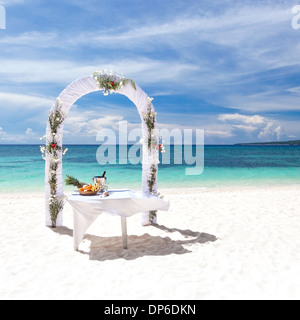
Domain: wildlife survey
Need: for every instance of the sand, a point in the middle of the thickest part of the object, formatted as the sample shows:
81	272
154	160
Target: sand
212	244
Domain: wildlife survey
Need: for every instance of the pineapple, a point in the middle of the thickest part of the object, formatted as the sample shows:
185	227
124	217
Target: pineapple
71	181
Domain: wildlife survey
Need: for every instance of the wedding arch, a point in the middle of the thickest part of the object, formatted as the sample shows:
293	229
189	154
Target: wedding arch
53	150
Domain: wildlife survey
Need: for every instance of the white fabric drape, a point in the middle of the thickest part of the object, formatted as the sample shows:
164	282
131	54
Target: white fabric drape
124	203
69	96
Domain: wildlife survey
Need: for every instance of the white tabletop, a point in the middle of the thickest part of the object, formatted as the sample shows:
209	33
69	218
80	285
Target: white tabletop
122	202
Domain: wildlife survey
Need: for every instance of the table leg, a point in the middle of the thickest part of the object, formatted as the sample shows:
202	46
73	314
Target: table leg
124	232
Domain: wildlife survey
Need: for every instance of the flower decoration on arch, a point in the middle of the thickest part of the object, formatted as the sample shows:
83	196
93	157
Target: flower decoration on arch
111	82
53	148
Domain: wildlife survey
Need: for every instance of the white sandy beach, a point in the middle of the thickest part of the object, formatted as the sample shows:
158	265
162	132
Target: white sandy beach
212	244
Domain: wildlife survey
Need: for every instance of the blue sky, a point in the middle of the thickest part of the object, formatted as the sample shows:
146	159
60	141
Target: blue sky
229	67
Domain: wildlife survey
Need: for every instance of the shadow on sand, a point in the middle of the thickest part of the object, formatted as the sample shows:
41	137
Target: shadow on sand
110	248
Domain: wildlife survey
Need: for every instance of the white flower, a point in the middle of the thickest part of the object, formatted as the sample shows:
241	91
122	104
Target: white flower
106	93
121	83
96	78
150	99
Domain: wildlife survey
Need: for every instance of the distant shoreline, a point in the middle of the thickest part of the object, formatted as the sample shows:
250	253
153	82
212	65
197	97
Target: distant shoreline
256	144
277	143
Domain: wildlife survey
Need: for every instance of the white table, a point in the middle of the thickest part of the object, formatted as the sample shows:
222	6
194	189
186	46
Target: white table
121	202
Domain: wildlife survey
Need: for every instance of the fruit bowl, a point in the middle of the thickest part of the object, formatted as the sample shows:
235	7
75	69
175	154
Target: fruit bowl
88	193
90	190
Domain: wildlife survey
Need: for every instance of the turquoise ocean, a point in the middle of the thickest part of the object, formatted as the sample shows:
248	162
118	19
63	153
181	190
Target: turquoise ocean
22	167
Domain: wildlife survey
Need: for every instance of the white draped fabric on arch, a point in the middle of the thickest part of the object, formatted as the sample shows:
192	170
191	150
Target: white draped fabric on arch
53	151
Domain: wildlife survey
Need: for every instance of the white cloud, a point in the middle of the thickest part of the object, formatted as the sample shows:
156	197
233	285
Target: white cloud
2	133
6	137
10	2
267	132
29	132
219	134
88	126
229	27
245	128
272	131
279	133
295	90
64	72
24	101
42	40
250	32
255	126
94	125
267	101
215	132
239	118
